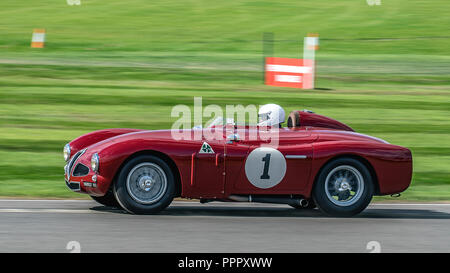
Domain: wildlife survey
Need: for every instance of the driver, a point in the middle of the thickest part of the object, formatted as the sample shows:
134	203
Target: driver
271	115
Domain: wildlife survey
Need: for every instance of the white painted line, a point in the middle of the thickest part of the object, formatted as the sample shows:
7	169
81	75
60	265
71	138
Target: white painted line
46	211
410	204
44	200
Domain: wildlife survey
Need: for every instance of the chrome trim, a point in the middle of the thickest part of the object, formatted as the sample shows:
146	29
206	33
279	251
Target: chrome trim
296	156
73	162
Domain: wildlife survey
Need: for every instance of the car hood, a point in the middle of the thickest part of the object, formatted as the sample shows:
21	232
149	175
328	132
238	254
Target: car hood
141	135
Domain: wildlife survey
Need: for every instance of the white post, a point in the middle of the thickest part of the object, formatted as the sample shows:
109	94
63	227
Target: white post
310	45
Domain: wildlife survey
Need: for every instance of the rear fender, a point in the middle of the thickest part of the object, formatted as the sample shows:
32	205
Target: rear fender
391	164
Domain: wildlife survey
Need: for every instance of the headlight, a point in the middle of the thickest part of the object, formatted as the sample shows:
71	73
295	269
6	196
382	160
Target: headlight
94	162
67	152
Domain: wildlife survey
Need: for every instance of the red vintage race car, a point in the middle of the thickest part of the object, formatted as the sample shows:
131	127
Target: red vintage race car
318	162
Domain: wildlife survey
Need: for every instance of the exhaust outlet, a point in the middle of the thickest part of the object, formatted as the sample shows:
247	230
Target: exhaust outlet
304	203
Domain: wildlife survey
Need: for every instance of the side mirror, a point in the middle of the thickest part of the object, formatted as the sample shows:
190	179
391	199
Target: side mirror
232	138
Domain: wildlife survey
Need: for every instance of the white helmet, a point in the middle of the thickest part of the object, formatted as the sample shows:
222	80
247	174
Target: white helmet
270	115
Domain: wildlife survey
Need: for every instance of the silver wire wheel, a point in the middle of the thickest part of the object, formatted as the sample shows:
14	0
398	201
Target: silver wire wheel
344	185
146	183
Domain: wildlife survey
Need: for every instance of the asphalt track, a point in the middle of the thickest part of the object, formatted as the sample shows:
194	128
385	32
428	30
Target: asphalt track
48	226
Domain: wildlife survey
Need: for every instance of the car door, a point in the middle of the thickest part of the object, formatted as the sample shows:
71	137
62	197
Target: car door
253	167
208	168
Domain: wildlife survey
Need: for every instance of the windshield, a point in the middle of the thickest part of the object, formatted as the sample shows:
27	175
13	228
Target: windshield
220	121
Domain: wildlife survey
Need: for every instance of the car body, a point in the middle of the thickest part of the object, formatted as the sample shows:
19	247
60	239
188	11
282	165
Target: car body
306	145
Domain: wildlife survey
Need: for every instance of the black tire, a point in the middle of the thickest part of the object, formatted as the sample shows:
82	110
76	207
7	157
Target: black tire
108	200
130	203
358	202
311	205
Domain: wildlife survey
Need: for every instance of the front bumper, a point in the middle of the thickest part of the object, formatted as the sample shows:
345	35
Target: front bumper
73	186
90	183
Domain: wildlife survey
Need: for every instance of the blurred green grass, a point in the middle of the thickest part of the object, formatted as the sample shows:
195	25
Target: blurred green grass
384	70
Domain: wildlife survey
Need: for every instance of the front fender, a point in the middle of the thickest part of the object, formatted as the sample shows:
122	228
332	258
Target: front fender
97	136
114	154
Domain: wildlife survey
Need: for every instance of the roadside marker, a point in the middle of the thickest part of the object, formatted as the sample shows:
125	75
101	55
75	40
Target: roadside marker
310	45
38	38
288	72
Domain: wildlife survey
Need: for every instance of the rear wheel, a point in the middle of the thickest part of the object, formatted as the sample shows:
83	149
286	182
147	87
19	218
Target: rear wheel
344	187
108	200
145	185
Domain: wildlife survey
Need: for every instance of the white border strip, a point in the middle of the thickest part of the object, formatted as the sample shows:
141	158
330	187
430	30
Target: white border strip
288	68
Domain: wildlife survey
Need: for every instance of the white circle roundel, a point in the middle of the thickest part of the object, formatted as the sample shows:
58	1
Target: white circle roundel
265	167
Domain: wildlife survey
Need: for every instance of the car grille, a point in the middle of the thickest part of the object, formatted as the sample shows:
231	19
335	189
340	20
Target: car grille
73	161
80	170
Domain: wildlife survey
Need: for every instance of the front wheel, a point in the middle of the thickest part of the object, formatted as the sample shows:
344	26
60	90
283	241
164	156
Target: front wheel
344	188
145	185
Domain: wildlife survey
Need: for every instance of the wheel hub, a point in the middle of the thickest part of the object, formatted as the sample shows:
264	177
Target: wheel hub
146	183
344	186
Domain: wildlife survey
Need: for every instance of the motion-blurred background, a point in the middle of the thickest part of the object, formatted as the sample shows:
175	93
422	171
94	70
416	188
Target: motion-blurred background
383	68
